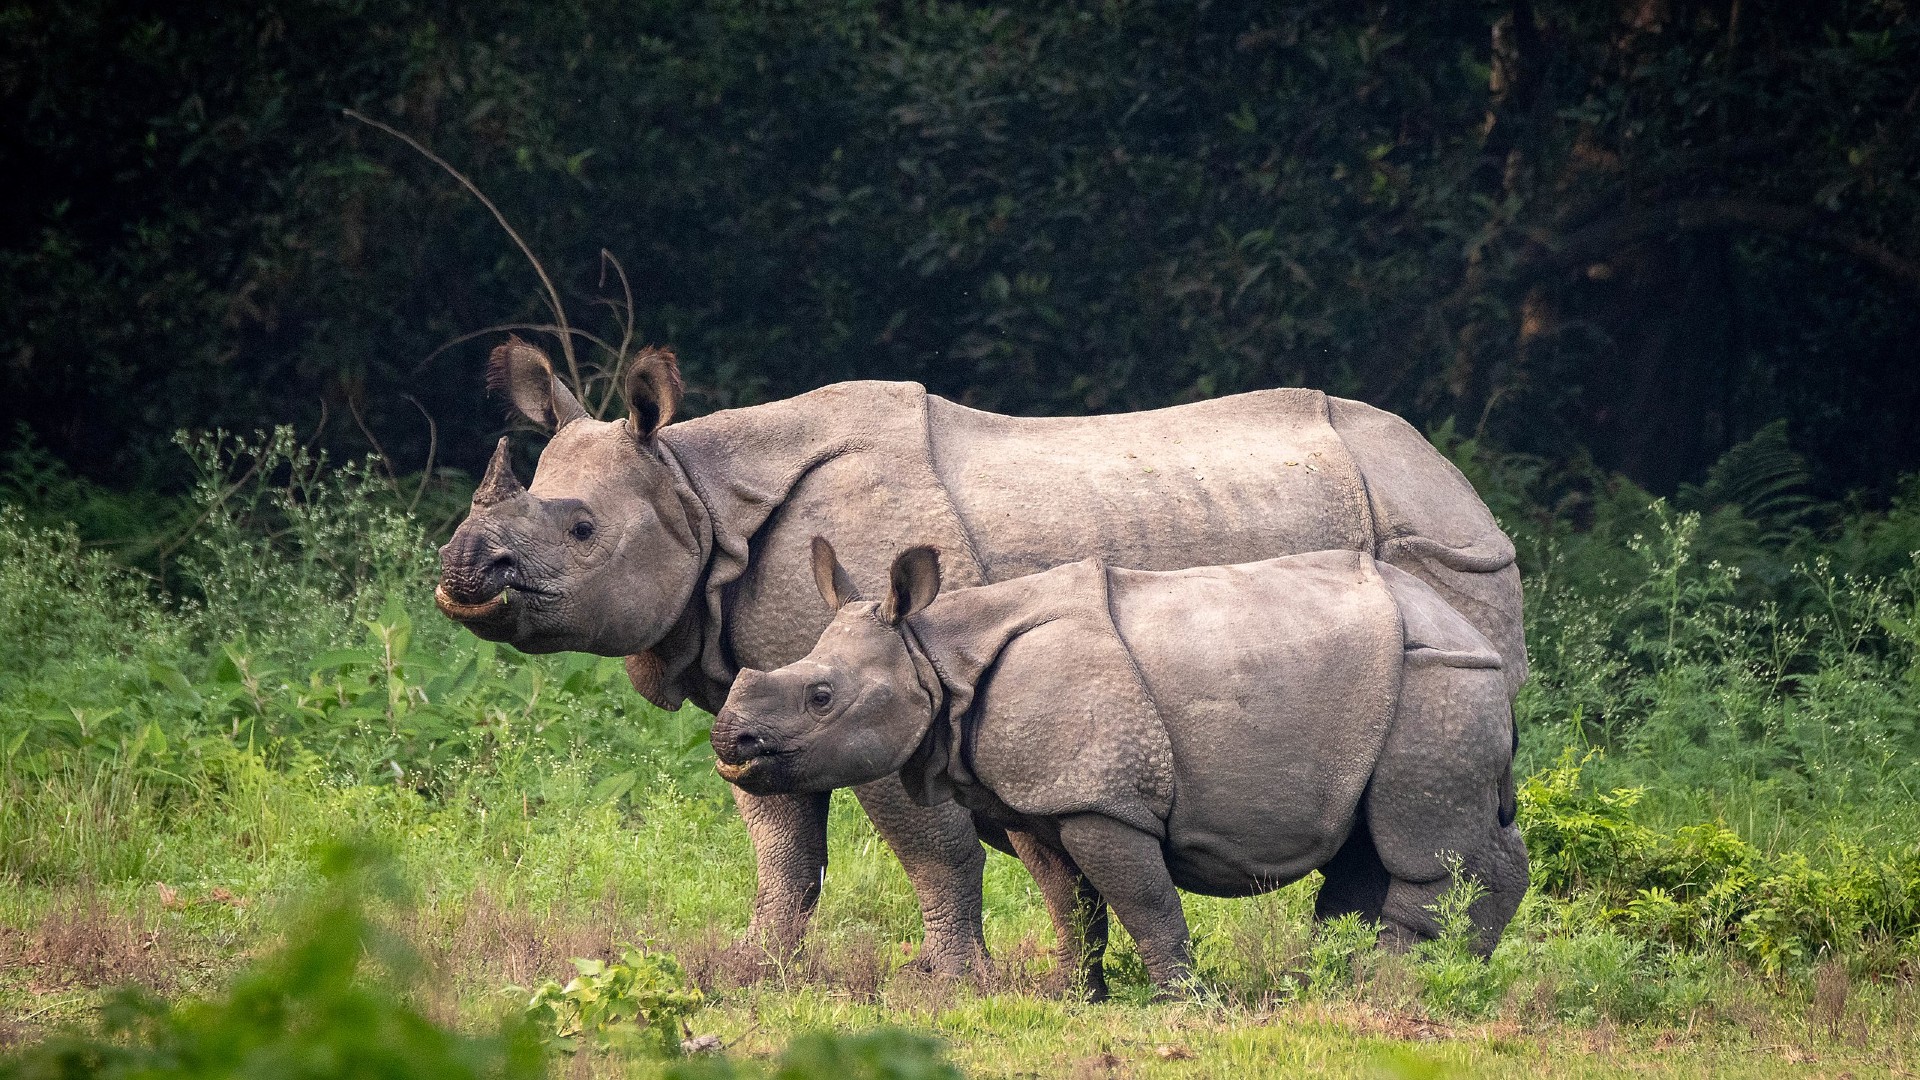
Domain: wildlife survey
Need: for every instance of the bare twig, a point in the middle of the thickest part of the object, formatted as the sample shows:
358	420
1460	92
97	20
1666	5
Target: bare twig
1697	215
751	1028
433	446
317	428
540	328
386	463
626	327
553	294
76	999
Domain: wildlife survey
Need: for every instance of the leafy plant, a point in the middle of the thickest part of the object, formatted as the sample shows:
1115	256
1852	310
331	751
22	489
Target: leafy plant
1455	980
641	1001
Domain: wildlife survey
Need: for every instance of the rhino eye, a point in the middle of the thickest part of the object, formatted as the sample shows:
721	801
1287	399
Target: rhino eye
820	697
582	531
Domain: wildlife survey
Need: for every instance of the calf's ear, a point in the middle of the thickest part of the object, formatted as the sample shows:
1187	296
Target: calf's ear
836	588
912	585
525	375
651	388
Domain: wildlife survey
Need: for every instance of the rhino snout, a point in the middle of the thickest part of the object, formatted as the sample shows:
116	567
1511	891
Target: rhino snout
474	569
737	741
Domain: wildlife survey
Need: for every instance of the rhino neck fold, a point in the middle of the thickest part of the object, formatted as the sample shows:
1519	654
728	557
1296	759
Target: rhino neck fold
1037	752
678	653
926	772
746	466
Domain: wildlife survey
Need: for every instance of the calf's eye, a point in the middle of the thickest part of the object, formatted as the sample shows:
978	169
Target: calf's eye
819	698
582	531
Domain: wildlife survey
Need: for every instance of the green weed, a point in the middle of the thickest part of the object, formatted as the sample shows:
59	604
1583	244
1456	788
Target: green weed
640	1001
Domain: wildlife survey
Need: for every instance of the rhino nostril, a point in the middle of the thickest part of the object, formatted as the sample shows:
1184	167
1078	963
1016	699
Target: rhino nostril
747	744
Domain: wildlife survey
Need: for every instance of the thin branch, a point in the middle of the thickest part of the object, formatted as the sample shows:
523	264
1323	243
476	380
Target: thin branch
386	463
626	324
317	428
1596	242
553	294
538	328
433	446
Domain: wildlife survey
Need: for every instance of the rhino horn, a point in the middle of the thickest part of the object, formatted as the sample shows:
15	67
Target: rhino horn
499	484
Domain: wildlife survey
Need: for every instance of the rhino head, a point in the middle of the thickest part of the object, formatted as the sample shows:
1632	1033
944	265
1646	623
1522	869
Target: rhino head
852	710
600	553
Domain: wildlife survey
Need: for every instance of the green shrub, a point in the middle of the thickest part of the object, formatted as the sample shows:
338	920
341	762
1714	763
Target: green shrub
1702	886
641	1001
1454	979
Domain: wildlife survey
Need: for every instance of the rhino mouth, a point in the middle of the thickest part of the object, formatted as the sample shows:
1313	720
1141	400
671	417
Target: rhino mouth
465	612
764	774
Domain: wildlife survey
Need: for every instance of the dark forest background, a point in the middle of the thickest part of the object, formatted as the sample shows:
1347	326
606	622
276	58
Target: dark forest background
1634	232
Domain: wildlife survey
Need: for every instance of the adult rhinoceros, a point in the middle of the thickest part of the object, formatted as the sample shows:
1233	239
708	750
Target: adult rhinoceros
687	548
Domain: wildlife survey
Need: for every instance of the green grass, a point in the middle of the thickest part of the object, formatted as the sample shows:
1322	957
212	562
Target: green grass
1721	735
499	899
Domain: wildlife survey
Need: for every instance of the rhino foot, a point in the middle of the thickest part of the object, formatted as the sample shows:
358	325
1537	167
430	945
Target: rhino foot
955	955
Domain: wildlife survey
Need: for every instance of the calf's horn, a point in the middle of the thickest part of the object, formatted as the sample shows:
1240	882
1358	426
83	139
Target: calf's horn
499	484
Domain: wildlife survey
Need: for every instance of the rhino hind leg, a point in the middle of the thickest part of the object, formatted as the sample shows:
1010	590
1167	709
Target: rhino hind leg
1500	869
1356	881
940	851
1078	912
1129	868
1436	802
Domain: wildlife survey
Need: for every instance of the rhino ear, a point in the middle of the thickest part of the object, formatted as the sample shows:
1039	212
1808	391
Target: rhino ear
525	375
651	387
912	584
836	588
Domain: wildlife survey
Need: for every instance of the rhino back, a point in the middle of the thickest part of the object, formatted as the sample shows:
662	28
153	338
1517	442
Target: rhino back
1277	684
1231	480
1433	525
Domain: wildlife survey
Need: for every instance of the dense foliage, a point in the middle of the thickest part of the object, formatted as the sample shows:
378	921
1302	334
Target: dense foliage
1644	227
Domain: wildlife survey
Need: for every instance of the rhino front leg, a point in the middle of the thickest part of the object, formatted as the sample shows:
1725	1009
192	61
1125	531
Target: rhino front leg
941	853
789	834
1078	911
1130	870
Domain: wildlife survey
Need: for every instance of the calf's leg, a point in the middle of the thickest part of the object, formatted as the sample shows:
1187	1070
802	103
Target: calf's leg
1129	869
941	853
1078	911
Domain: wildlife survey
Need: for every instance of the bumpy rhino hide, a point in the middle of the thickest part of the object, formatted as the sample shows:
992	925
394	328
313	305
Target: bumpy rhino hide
1230	709
877	467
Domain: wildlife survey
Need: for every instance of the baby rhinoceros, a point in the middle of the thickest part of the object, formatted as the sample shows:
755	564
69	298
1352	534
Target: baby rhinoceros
1224	730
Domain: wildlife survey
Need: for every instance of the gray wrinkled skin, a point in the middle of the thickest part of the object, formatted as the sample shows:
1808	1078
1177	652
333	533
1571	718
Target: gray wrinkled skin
696	560
1224	730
